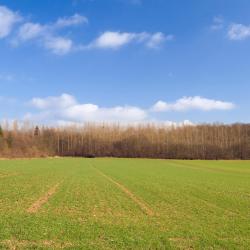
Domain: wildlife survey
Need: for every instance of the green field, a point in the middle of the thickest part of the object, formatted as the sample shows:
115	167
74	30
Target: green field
79	203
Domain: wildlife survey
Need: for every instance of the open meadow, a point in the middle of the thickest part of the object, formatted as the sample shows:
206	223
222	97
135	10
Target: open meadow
109	203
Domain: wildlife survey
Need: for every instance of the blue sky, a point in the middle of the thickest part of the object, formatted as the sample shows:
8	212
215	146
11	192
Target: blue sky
125	60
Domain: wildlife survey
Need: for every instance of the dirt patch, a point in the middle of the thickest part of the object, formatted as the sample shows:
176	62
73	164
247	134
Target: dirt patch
24	244
144	207
42	200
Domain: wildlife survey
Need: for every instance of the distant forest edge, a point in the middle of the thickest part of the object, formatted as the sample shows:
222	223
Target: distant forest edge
213	141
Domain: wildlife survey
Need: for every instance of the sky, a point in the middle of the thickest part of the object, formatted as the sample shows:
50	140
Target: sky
131	61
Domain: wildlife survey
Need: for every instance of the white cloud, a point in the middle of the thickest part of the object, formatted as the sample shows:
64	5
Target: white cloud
235	31
91	112
51	102
49	35
7	20
155	40
238	32
30	31
115	40
66	108
46	35
218	23
70	21
192	103
58	45
33	30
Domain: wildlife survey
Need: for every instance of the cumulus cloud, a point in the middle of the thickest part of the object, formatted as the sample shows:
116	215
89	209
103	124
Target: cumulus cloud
7	20
66	108
192	103
91	112
51	102
238	32
235	31
116	39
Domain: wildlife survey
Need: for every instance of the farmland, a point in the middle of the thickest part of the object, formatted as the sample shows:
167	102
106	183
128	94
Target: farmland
109	203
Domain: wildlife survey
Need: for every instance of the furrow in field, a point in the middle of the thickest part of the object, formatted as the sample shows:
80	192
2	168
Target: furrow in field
42	200
144	207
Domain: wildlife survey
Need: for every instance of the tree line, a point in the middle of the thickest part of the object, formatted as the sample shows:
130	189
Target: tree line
207	141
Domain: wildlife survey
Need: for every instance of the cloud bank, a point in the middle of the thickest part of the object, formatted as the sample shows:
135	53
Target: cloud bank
65	108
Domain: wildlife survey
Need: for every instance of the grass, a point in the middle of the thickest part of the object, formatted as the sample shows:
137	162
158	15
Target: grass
100	204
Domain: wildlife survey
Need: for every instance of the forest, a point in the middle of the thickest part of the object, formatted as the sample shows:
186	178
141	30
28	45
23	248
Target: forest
207	141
